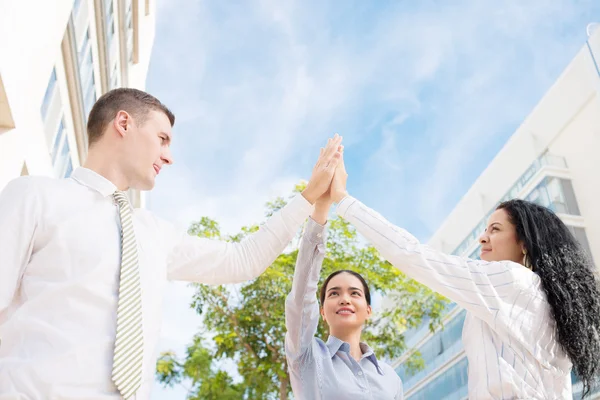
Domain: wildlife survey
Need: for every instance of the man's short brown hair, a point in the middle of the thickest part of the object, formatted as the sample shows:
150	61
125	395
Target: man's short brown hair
134	101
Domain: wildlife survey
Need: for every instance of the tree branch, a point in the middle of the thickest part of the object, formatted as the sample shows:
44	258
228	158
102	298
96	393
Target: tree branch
236	327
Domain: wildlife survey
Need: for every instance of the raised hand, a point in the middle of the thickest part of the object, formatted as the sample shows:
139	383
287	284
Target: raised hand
323	170
338	184
325	199
323	203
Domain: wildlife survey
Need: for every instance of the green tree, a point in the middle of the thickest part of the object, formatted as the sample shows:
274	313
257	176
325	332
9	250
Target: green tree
246	323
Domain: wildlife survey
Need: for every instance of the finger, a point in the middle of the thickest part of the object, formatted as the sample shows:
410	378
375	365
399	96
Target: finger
334	161
328	149
331	148
334	142
323	155
341	166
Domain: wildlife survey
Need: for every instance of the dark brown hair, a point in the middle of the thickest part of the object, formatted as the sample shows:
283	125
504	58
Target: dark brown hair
134	101
356	274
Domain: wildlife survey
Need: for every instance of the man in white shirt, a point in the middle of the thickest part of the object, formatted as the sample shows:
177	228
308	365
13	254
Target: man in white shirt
82	274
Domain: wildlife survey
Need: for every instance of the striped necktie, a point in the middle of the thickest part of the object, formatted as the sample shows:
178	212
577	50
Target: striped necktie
129	344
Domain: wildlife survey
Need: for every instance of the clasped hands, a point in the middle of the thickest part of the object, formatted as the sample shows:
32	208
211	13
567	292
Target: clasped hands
327	184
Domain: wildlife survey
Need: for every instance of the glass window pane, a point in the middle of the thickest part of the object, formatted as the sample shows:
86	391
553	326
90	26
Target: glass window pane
556	195
450	385
85	45
69	169
114	82
64	158
569	196
109	21
436	351
58	138
76	6
49	93
475	254
86	75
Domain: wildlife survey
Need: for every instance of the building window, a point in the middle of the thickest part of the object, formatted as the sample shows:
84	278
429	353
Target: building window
86	73
450	384
147	7
58	139
89	97
76	7
50	89
61	153
569	198
473	236
129	28
84	47
436	351
114	77
555	193
109	20
476	254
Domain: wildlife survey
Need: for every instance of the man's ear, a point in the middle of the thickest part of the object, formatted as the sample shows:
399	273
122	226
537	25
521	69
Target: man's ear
122	122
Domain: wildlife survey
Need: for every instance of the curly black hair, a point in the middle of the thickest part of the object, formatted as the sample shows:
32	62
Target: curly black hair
569	280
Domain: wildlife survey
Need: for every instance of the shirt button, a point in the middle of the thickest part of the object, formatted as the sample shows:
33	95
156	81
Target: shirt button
359	373
319	235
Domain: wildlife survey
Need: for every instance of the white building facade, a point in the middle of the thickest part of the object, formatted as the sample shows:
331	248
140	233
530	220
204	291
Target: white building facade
56	59
552	159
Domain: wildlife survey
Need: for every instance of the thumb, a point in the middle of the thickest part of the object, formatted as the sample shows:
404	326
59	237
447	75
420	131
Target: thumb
340	165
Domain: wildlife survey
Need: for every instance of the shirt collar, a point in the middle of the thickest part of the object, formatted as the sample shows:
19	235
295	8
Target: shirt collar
93	180
334	345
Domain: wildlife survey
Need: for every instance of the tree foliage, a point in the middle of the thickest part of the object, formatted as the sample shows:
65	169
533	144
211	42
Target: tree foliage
246	324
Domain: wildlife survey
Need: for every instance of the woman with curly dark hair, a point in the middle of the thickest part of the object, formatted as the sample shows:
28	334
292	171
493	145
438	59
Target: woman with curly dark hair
532	301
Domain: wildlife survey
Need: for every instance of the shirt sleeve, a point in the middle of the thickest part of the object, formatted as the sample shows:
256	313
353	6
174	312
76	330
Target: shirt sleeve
481	287
301	306
19	216
209	261
400	392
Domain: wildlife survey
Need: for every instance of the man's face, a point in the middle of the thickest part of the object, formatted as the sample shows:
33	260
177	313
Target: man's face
148	147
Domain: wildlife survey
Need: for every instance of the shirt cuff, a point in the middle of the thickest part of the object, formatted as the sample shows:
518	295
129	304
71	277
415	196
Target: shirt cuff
298	208
315	232
344	205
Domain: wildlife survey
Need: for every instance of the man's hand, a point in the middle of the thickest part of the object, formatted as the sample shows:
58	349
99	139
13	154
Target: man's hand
323	170
338	184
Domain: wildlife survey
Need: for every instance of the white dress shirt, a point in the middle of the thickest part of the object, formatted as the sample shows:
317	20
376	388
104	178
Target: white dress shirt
509	334
59	269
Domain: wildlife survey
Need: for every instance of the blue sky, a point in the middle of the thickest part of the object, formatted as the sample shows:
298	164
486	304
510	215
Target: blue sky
424	93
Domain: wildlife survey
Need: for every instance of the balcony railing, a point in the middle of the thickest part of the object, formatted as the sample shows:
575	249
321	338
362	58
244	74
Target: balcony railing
543	161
